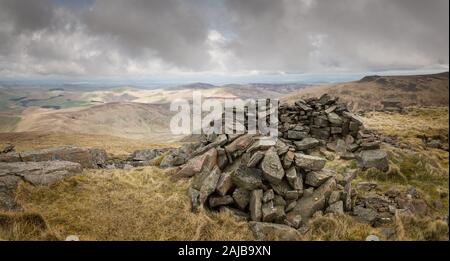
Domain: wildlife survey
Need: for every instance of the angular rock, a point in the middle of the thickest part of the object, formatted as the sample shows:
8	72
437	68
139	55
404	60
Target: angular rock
347	156
256	204
294	219
261	144
296	135
220	201
331	109
36	173
290	206
328	155
209	184
281	188
374	145
341	146
194	196
171	160
308	162
239	145
281	147
268	196
280	214
335	196
279	201
241	197
321	121
294	180
373	159
353	117
225	183
255	159
306	143
10	157
320	133
335	130
365	214
317	178
292	195
288	159
87	157
334	119
303	105
268	212
310	204
204	162
222	158
263	231
147	154
336	208
247	178
271	167
347	197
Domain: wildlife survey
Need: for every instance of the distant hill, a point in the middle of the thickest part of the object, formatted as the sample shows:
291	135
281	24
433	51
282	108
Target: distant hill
122	119
367	93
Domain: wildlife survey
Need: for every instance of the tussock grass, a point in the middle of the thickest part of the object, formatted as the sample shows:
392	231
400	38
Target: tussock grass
420	229
337	227
140	204
24	226
431	121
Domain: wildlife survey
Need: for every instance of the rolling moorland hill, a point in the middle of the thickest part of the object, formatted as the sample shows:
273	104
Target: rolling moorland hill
367	93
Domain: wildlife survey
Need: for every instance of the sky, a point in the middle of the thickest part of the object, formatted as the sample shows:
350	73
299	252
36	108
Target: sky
206	40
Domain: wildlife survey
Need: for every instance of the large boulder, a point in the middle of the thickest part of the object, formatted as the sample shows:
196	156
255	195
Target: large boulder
146	154
87	157
10	157
36	173
256	204
196	165
307	143
271	167
247	178
317	178
239	145
309	204
270	231
373	159
209	184
308	162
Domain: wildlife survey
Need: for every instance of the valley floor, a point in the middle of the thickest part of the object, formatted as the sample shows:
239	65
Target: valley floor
145	204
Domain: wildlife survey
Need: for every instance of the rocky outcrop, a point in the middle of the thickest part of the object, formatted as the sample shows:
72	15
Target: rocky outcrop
86	157
35	173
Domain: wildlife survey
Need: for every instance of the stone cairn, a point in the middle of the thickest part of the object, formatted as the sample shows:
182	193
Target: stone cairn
285	182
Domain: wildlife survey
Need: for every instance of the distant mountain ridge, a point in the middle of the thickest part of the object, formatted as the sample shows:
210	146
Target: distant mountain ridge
368	92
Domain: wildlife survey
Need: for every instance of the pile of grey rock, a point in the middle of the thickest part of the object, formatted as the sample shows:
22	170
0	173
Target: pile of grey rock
283	181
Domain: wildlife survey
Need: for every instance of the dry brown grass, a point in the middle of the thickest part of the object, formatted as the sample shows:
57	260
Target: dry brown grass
140	204
431	121
24	226
40	140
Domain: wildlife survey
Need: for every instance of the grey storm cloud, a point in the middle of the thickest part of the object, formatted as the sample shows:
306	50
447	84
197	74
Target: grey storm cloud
139	37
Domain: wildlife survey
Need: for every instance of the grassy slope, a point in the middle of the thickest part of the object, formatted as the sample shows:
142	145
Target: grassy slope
421	90
141	204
